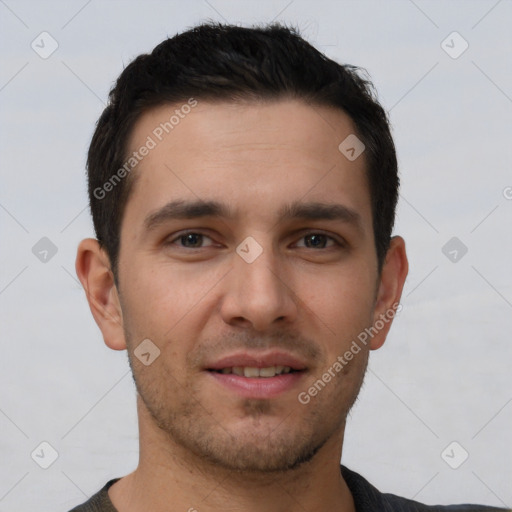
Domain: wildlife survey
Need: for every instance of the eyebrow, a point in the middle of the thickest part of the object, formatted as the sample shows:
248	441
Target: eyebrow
186	210
320	211
297	210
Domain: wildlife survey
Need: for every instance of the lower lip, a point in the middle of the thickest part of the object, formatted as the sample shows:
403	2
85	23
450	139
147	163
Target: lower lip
259	388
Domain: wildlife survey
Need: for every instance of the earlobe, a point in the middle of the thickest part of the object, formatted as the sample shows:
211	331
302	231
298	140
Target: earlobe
93	269
392	279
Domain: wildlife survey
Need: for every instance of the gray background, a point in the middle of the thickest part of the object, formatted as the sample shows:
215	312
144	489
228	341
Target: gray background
444	373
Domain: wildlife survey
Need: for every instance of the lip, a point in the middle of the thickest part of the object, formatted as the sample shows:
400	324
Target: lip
258	360
258	387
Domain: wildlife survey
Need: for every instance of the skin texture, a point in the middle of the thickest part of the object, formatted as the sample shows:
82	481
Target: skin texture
202	445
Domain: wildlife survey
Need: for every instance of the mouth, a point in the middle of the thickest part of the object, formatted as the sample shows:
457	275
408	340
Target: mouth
258	376
253	372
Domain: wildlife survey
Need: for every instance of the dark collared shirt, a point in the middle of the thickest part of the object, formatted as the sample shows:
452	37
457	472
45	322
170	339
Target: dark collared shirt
366	498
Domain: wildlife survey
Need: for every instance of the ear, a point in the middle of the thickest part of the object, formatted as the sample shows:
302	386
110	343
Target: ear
93	269
391	283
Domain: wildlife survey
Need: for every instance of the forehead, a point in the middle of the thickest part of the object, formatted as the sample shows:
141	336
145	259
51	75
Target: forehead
254	156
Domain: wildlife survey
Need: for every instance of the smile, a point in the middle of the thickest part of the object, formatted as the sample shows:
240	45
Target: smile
253	372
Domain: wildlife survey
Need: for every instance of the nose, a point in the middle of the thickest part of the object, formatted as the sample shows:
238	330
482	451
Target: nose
258	294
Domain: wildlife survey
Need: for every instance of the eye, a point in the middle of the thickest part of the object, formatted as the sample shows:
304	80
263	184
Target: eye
190	240
317	241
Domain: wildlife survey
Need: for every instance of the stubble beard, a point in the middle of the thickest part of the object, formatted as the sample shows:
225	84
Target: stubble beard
264	447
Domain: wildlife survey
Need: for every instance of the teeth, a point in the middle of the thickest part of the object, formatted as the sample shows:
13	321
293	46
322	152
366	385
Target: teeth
266	372
252	372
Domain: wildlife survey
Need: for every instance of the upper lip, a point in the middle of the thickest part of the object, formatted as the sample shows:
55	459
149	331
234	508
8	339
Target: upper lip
258	360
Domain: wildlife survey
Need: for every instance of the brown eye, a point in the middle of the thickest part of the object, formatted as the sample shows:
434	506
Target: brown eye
317	241
191	240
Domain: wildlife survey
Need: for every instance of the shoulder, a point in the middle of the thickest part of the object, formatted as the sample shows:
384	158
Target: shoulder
100	502
368	499
397	503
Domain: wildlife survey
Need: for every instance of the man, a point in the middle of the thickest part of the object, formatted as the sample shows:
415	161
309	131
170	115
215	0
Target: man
243	191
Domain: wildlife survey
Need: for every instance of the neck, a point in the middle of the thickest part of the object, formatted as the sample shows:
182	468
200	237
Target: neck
169	474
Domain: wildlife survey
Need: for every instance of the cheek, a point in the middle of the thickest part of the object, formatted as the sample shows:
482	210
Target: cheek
149	303
342	299
162	301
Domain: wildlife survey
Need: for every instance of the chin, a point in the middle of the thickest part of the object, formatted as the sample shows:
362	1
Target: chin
261	459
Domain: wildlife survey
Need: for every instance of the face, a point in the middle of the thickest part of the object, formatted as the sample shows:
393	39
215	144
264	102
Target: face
247	259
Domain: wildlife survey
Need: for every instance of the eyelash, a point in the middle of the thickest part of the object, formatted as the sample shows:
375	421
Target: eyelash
183	234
